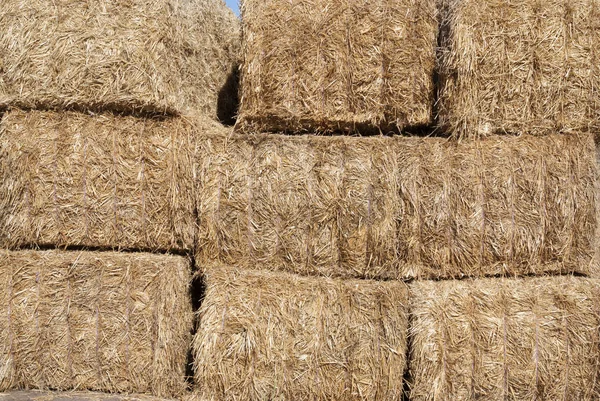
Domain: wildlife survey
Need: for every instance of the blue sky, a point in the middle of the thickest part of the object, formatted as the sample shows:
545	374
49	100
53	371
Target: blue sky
234	6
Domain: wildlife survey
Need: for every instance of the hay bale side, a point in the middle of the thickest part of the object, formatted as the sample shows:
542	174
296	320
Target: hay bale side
159	56
337	65
520	66
308	205
494	339
101	181
38	395
389	208
266	335
98	321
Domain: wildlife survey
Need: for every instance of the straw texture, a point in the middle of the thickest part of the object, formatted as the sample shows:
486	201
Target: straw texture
99	321
265	336
389	208
520	66
72	396
102	181
151	56
493	339
337	65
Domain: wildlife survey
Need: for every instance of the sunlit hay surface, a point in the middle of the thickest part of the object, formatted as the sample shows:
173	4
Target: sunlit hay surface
113	322
135	56
520	66
337	65
493	339
265	335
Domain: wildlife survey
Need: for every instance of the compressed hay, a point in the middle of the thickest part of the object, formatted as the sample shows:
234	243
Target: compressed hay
101	321
493	339
159	56
37	395
308	205
266	335
337	65
389	208
520	66
502	206
102	181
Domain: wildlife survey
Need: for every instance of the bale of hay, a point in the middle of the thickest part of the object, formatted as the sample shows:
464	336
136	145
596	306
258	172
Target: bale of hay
101	181
309	205
389	208
265	335
520	66
494	339
101	321
159	56
337	65
38	395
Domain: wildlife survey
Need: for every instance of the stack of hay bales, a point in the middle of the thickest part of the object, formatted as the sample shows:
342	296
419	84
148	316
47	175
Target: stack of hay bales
291	226
102	102
527	68
305	241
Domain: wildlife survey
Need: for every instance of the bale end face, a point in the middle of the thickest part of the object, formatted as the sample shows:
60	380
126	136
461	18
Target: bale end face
149	57
490	339
266	335
337	66
520	66
100	321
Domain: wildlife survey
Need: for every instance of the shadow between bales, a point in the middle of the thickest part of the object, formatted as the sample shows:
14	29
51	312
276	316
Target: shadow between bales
197	291
228	100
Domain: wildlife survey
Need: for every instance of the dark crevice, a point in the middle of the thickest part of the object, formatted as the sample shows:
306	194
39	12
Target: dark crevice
279	126
228	100
197	291
85	248
115	109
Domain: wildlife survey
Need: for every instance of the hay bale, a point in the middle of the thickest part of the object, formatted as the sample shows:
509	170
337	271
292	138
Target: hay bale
520	66
266	335
309	205
101	181
337	65
494	339
37	395
111	322
159	56
389	208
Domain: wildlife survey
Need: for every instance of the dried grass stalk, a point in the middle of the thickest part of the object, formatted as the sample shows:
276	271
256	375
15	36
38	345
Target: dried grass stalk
265	335
37	395
494	339
388	208
155	56
520	66
105	321
107	181
337	65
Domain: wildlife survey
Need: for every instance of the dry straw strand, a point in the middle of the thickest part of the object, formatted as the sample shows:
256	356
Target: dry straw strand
389	208
520	66
38	395
159	56
490	339
109	321
337	65
102	181
265	335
